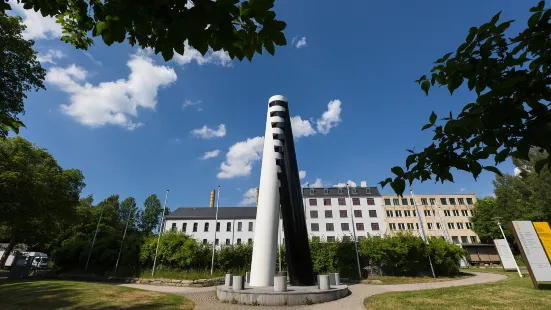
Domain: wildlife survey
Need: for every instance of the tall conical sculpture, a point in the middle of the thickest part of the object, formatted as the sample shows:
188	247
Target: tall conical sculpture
280	185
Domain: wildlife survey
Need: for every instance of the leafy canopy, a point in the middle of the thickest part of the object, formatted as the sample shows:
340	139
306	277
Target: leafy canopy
240	28
511	77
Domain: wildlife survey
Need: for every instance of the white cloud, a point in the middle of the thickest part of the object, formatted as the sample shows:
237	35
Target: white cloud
301	128
240	157
249	198
517	171
350	183
318	183
97	62
210	154
300	43
363	184
302	174
221	58
462	189
209	133
330	118
50	56
191	103
38	26
115	102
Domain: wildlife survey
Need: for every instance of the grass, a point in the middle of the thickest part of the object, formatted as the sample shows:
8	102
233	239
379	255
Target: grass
513	293
83	295
184	274
389	280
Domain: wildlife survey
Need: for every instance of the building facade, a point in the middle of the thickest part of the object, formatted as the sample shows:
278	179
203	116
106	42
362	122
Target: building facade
447	216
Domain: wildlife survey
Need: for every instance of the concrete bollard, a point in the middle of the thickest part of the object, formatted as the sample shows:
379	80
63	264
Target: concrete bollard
248	277
228	281
280	284
282	274
238	284
337	277
324	283
331	278
318	280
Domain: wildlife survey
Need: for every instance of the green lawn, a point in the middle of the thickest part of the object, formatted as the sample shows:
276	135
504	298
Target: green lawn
389	280
83	295
513	293
185	274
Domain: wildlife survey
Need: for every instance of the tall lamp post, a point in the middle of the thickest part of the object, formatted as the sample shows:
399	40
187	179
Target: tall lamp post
421	228
215	230
159	232
354	231
503	234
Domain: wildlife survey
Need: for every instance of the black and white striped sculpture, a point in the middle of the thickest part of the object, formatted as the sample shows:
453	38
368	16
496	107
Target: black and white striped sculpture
280	185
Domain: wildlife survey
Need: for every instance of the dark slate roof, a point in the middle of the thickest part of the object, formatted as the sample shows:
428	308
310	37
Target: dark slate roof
334	192
224	213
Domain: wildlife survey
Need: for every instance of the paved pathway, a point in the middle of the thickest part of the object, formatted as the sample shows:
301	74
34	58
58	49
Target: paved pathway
204	297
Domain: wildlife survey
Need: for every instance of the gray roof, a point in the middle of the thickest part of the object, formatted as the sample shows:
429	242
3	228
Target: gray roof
224	213
334	192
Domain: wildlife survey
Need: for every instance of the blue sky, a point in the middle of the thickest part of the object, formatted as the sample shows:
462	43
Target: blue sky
135	125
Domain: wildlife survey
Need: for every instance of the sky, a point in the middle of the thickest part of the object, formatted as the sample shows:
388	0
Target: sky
135	124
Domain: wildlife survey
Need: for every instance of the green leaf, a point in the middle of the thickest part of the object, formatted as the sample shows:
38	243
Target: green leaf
410	160
540	164
4	6
269	46
534	19
425	85
385	182
432	118
398	185
427	126
501	156
167	53
397	170
495	18
100	28
493	169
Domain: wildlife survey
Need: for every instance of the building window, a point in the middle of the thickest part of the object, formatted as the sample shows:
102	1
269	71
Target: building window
356	201
325	191
461	201
312	191
451	226
313	214
469	201
429	225
238	240
250	241
250	226
227	241
427	212
473	239
184	227
392	226
174	226
239	226
404	201
464	213
343	213
446	212
328	214
342	202
416	225
438	226
228	226
396	201
354	190
407	213
443	201
357	213
469	225
341	191
452	201
455	239
374	226
432	201
401	226
326	201
315	227
410	226
360	226
455	212
398	213
389	213
414	213
459	225
368	191
387	202
204	241
424	201
195	227
329	227
206	227
313	202
370	201
345	227
411	201
216	242
330	239
372	213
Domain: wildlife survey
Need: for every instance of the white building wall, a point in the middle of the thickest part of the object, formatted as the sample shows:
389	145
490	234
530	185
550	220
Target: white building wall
233	235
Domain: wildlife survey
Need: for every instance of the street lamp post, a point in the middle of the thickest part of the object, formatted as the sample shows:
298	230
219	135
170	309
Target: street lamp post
215	230
354	232
159	237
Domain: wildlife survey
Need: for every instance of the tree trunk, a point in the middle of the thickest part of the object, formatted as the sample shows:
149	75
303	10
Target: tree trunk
7	251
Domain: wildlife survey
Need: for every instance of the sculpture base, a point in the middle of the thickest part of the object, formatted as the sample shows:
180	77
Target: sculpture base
295	295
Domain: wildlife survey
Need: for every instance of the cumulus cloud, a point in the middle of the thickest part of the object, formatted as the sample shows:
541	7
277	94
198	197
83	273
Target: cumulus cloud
517	171
115	102
350	183
330	118
50	56
299	43
240	157
302	174
317	183
209	133
249	197
221	58
191	103
38	26
210	154
363	184
301	128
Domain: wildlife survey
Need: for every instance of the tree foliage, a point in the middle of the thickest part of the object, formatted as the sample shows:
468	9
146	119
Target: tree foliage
242	28
511	78
150	217
20	72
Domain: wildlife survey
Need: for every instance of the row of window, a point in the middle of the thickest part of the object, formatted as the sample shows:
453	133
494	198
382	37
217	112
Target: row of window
353	190
464	239
408	213
341	201
207	225
342	213
344	227
402	226
425	202
217	242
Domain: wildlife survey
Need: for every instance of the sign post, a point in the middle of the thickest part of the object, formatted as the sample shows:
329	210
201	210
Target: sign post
507	259
544	233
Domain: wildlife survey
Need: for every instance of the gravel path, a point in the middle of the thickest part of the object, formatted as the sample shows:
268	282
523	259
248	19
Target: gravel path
204	297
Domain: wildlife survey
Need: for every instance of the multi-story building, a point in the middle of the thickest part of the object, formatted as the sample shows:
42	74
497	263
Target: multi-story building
448	216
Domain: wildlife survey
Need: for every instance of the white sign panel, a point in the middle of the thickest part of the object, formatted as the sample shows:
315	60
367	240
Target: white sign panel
505	254
535	254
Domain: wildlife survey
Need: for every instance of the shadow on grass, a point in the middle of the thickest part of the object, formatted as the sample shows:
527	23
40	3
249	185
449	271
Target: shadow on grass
545	286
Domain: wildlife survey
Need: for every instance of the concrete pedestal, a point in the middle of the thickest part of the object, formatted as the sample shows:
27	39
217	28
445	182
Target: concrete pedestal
248	277
336	279
324	283
238	283
280	284
228	280
282	274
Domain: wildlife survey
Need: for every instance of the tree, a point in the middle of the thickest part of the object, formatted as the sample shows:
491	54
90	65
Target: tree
36	193
240	28
20	72
128	208
150	217
484	220
511	78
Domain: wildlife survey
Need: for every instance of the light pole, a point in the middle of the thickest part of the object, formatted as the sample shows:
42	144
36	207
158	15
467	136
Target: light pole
354	232
123	236
159	232
503	234
94	240
422	228
215	230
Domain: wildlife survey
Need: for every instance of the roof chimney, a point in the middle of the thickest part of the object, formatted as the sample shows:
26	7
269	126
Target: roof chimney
212	198
257	191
